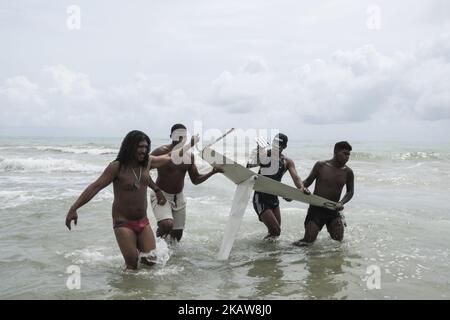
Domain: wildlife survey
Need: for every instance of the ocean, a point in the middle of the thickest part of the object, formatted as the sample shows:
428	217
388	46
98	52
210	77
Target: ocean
396	244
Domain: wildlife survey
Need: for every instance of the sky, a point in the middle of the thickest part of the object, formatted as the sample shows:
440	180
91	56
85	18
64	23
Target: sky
347	69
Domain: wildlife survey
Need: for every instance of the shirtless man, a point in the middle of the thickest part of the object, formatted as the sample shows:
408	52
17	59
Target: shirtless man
129	174
331	176
171	214
267	206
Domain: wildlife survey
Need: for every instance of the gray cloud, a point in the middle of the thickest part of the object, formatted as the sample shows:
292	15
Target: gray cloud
255	64
350	86
438	11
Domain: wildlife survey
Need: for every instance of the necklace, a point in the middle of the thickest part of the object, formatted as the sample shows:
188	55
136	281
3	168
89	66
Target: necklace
137	183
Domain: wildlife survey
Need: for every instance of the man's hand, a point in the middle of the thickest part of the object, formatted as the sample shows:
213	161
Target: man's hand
217	170
71	215
160	197
305	190
340	206
195	139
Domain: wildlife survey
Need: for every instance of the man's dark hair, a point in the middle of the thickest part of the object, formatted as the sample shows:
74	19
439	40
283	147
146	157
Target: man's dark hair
283	140
129	146
176	127
342	145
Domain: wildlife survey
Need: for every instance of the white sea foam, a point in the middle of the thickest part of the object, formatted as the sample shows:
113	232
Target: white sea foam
94	256
169	271
418	155
161	253
46	165
403	156
81	149
14	198
78	149
104	256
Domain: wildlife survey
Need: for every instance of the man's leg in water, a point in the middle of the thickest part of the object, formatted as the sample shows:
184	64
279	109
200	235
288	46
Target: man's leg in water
336	229
178	222
269	219
146	243
277	214
311	232
164	228
126	239
176	234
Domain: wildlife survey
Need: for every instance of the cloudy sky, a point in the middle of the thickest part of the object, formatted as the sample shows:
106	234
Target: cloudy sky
347	69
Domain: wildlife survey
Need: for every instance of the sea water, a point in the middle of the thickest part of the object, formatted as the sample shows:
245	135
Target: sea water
396	244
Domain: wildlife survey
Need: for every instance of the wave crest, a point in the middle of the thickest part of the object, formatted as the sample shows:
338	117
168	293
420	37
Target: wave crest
45	165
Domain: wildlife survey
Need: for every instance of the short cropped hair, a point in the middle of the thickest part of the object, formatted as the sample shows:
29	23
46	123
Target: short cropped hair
282	139
176	127
342	145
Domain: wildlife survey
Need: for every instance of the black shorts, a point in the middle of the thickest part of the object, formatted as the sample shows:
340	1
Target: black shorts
321	216
264	201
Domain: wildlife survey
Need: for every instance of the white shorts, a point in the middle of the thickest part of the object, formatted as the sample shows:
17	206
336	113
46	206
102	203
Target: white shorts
174	208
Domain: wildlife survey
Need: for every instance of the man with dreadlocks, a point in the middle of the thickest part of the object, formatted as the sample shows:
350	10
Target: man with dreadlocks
129	174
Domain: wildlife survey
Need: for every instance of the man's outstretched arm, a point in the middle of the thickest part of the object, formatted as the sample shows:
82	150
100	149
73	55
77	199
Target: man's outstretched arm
312	175
159	158
159	161
295	177
198	178
104	180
